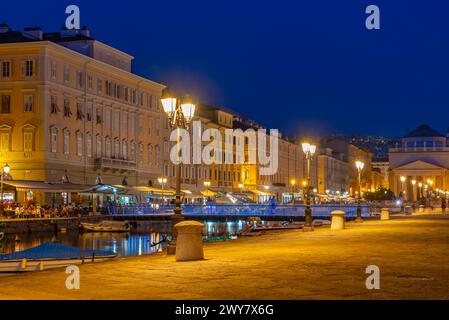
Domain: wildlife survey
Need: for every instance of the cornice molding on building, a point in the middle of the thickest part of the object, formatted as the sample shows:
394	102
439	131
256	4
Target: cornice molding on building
115	50
66	52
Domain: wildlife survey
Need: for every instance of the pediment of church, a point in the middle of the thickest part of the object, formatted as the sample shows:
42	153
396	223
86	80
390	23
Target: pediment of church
419	165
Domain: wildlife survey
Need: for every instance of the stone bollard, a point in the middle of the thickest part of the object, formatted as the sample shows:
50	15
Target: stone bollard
385	214
338	220
189	244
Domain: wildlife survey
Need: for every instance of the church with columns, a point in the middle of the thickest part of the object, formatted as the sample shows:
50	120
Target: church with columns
420	165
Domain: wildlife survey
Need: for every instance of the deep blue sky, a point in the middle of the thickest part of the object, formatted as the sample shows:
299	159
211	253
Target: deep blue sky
299	66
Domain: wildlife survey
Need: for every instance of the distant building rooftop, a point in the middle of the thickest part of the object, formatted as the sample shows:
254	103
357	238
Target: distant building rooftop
424	131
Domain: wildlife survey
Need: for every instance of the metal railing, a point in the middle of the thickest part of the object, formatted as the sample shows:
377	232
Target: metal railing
237	210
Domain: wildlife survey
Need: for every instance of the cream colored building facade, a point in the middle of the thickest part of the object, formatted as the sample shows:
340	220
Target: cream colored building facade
70	105
333	172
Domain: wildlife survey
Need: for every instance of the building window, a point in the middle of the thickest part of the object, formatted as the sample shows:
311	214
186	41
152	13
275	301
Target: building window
54	139
80	79
54	105
5	69
157	150
134	97
89	113
99	118
66	142
141	98
116	148
53	70
140	155
108	147
28	134
89	145
67	110
132	151
66	74
89	83
99	146
79	111
124	150
158	127
127	94
28	103
79	144
28	68
150	155
100	86
149	101
6	104
5	138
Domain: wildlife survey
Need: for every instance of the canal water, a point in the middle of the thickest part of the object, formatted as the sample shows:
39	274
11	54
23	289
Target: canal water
146	239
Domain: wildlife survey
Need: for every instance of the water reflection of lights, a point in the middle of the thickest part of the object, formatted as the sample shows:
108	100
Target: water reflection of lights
132	244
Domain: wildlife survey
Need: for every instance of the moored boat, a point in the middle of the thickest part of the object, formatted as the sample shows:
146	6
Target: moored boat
50	256
107	226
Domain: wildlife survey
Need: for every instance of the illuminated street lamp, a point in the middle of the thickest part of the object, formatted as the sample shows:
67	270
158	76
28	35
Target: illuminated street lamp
309	151
207	184
180	114
293	183
162	182
5	171
359	165
241	186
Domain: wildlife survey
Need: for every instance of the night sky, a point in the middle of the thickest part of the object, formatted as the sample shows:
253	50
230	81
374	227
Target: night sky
300	66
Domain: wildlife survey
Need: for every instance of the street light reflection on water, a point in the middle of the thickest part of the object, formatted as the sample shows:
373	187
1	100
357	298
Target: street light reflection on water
147	238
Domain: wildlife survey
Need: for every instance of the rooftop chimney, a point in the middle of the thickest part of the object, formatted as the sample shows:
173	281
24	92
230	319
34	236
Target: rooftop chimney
33	33
85	31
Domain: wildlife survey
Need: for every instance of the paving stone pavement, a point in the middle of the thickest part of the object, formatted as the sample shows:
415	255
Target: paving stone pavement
411	252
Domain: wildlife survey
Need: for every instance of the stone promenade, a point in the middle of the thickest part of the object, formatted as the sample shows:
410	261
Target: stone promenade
412	254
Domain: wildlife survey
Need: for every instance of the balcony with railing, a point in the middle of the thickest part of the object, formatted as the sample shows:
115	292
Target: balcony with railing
115	164
419	149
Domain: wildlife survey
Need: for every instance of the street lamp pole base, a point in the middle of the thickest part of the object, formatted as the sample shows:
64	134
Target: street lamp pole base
176	218
171	249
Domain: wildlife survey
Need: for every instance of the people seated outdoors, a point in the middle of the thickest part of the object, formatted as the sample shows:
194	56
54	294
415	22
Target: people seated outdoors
32	211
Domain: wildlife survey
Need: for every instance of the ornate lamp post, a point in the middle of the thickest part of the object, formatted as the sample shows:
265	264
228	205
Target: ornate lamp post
413	184
180	114
163	182
403	179
5	171
309	151
359	165
293	183
207	184
430	183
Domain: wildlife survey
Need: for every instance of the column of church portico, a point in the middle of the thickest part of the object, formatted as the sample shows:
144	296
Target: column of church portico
415	189
395	185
